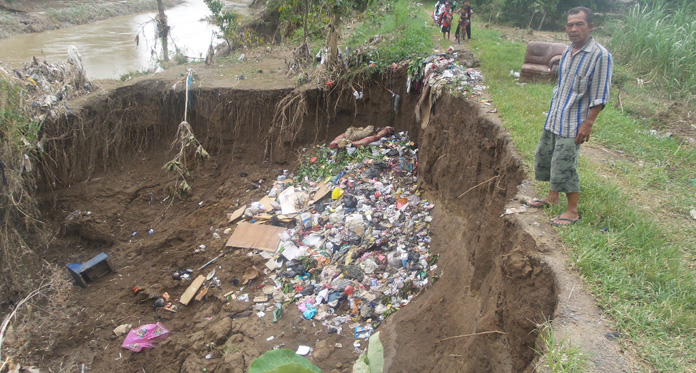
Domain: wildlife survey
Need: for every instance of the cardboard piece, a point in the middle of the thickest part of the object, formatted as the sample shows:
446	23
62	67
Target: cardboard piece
255	236
236	214
192	289
266	202
324	189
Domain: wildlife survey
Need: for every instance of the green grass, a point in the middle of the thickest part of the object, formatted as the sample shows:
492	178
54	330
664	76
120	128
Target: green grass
636	241
660	45
559	355
403	27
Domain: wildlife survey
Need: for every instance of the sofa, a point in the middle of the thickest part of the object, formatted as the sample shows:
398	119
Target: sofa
541	61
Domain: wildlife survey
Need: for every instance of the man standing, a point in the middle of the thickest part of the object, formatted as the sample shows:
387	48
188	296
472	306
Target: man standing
584	78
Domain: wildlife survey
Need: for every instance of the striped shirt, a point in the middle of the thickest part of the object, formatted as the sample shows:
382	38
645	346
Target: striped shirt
583	82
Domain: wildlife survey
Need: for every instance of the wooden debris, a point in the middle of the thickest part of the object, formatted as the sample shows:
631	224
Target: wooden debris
192	289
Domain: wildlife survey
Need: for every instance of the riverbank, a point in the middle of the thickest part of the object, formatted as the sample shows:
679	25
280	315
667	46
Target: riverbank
28	16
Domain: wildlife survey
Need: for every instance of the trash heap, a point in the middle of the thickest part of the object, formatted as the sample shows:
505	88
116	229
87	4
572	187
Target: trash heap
361	252
442	70
48	86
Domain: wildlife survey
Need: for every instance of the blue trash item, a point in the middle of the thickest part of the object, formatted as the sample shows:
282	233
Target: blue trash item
90	270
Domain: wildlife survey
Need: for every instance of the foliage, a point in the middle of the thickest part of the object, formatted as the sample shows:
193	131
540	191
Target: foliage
319	14
225	20
330	162
658	43
20	151
521	12
390	34
282	361
559	355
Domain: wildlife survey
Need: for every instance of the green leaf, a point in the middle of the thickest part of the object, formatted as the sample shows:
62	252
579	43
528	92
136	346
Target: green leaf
282	361
375	354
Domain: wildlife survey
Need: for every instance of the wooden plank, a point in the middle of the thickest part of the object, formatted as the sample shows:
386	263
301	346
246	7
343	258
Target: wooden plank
192	289
255	236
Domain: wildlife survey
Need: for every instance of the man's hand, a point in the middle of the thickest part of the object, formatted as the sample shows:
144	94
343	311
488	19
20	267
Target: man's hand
584	132
585	129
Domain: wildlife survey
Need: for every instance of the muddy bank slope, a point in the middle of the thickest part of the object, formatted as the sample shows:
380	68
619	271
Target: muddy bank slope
494	285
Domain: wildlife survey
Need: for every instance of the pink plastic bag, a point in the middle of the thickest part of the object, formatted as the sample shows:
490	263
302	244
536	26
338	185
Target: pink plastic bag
145	336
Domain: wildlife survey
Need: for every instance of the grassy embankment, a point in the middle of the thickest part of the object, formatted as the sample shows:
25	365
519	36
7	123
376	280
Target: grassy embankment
635	245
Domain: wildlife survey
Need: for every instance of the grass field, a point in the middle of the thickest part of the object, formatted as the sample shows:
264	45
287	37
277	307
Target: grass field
636	243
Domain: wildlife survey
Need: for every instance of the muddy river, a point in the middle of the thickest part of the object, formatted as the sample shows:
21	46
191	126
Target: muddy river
108	47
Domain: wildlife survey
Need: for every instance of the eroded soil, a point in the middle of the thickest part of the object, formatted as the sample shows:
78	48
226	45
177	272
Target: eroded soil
496	283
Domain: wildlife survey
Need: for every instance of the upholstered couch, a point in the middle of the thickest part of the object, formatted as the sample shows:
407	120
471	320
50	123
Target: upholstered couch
541	61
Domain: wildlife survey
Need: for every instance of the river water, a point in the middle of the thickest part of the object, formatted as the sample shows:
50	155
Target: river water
108	47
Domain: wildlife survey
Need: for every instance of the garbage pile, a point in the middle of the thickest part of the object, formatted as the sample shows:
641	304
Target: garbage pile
358	248
432	75
48	86
440	70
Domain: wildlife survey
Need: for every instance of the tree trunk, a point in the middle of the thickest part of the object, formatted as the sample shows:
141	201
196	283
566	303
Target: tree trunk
304	23
529	25
543	16
163	29
332	42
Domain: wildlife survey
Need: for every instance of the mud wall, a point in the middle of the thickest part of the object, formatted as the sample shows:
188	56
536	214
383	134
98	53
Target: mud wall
492	290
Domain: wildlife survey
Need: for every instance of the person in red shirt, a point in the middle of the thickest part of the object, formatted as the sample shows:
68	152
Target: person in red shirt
445	21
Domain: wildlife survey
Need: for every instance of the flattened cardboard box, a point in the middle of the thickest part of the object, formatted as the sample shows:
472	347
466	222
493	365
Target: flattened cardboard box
255	236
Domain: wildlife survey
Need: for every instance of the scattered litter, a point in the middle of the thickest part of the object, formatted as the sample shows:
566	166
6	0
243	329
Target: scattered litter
693	213
430	76
122	329
192	290
270	338
145	336
211	261
303	350
209	356
49	86
515	210
90	270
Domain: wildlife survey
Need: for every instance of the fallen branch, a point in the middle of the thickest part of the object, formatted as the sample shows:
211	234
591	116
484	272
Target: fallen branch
6	321
472	334
477	185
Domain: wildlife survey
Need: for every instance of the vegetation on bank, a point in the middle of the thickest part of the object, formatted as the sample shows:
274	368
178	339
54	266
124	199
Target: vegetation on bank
636	241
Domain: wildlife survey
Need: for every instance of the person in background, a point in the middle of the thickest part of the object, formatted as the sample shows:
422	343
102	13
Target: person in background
584	79
445	21
436	12
465	13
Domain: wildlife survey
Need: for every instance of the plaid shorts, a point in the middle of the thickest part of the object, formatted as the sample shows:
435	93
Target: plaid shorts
556	161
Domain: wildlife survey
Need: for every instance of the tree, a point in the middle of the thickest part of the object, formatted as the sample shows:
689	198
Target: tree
162	29
225	20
